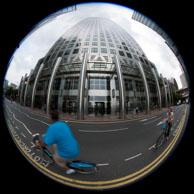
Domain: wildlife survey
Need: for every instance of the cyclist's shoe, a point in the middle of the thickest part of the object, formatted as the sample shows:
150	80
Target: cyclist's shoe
70	171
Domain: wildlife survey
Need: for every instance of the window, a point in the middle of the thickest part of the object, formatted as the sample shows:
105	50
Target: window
136	57
94	50
118	46
103	50
125	48
121	53
57	83
109	40
70	46
123	43
75	51
87	39
86	43
112	51
84	50
102	44
111	44
78	44
95	39
129	55
67	52
141	60
94	43
102	39
128	85
99	83
139	86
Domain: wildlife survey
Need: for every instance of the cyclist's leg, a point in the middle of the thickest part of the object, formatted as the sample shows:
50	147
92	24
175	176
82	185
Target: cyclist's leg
60	161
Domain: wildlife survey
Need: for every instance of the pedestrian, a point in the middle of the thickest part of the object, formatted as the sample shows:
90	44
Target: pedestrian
45	108
137	110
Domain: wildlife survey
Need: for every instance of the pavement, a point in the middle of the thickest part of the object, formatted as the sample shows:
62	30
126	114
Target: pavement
123	150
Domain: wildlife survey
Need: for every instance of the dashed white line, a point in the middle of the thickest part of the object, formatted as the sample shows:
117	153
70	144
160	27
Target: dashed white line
147	119
151	121
151	147
106	164
103	131
133	157
23	135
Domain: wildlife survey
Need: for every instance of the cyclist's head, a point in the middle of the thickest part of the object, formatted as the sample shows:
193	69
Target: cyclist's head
169	109
54	115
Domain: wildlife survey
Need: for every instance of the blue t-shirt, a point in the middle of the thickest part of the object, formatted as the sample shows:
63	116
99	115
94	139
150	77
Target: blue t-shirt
60	134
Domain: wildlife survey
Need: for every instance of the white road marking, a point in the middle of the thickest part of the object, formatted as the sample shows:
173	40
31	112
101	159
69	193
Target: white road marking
106	164
147	119
33	118
23	135
103	131
35	134
143	120
20	122
133	157
151	147
159	123
151	121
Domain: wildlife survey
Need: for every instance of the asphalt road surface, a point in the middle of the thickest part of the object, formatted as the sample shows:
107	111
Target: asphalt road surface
122	150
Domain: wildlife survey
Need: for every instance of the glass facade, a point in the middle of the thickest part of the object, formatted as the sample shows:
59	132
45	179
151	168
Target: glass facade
102	40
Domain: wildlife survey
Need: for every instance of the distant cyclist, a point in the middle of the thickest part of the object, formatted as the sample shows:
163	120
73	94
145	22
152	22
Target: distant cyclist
61	138
169	118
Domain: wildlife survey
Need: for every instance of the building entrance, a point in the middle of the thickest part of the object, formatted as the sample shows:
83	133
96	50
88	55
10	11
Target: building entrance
99	108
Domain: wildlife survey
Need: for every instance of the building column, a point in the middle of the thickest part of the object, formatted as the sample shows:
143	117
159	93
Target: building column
145	86
26	89
22	90
158	89
165	91
35	83
122	95
81	88
168	89
51	81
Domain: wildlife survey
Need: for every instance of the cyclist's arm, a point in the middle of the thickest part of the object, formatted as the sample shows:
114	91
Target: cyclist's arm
41	144
172	119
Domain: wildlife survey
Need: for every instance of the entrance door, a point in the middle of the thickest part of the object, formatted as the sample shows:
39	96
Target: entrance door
99	108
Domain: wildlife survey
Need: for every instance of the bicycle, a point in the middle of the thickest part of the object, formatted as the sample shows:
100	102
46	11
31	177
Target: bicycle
162	137
83	167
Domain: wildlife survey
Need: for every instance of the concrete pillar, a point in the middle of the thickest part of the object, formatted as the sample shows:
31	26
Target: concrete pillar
35	83
26	89
168	90
165	90
139	65
81	88
122	95
51	81
158	89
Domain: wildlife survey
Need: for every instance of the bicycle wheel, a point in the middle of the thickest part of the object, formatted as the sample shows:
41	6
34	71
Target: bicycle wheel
159	141
83	167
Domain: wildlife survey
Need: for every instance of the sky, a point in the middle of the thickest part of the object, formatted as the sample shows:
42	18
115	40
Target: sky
35	45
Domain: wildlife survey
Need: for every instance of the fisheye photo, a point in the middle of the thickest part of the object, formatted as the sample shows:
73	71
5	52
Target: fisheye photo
96	96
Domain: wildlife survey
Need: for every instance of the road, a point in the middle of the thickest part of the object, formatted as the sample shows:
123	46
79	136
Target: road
123	150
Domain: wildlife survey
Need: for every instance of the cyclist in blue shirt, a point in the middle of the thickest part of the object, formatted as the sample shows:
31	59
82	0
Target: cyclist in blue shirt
65	146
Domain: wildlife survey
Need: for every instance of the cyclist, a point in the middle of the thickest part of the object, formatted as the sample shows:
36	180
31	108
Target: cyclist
61	138
169	118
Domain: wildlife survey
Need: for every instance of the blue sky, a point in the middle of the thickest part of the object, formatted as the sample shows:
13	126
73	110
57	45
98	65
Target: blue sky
36	45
